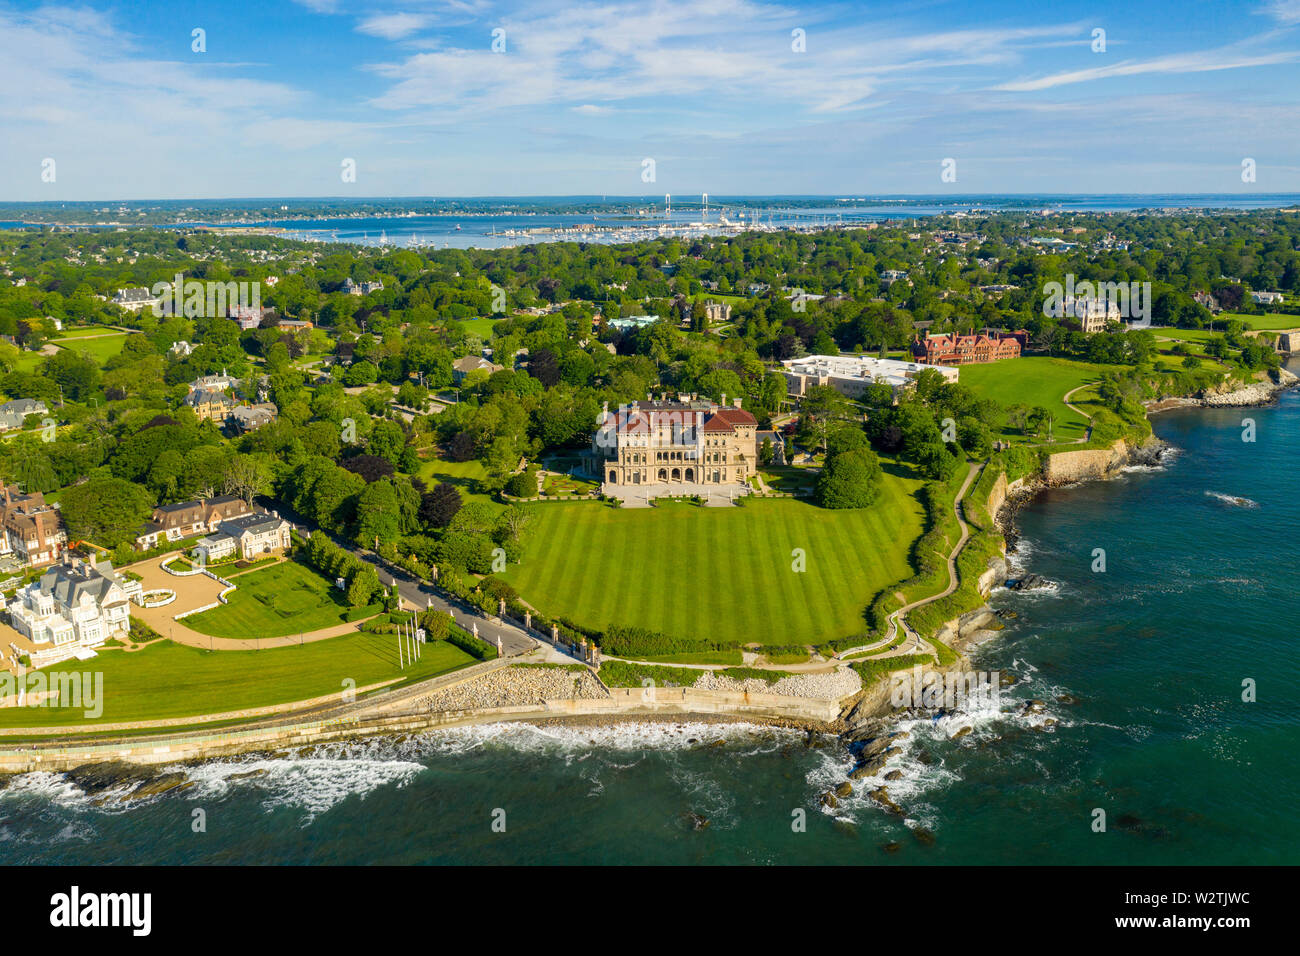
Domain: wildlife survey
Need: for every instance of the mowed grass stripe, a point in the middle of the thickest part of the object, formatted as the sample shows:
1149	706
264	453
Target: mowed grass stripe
682	569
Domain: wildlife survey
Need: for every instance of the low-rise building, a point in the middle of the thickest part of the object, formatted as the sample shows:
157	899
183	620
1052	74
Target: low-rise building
717	311
217	382
210	405
73	608
1092	313
136	299
245	418
250	535
13	414
632	322
188	518
471	363
32	531
986	346
1267	298
852	375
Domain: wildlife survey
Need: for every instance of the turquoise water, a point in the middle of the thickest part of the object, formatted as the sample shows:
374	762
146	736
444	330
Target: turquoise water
1198	594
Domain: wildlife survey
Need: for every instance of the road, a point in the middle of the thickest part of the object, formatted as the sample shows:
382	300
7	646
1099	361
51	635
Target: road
513	639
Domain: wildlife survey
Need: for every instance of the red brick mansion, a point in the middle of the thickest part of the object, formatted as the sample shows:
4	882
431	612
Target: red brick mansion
986	346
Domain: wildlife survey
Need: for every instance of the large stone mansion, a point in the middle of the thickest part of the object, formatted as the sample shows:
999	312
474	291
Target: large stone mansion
683	441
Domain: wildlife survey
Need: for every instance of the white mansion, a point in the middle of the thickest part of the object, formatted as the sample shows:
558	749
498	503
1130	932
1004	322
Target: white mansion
73	607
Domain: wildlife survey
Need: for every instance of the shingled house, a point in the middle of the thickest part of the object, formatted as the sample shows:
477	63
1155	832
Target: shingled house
32	531
189	518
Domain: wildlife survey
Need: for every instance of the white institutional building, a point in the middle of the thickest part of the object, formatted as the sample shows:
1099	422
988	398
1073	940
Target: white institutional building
850	375
73	608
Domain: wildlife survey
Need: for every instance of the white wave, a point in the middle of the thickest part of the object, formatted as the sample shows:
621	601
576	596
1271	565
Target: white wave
311	784
1234	500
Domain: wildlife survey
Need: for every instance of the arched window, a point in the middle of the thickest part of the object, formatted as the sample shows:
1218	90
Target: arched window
613	477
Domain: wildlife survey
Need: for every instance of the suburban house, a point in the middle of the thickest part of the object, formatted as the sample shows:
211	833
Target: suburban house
1092	313
188	518
986	346
14	413
687	441
181	349
717	311
32	530
777	441
364	288
1207	300
890	276
210	405
135	299
292	325
471	363
632	322
1266	298
851	375
245	418
248	536
73	608
214	382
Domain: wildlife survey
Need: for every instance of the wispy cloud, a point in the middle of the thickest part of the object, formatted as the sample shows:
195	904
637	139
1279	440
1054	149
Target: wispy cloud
1286	12
394	26
1205	62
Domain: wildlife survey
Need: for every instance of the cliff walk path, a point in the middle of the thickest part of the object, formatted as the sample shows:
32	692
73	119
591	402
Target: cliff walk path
915	644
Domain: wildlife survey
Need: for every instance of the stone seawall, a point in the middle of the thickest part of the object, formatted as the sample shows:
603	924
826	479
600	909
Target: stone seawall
1067	467
622	702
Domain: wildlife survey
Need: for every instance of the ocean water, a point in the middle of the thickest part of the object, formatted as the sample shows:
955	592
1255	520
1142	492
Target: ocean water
1140	666
494	222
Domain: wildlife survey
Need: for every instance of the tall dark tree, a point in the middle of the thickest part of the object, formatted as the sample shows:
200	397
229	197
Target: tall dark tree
440	505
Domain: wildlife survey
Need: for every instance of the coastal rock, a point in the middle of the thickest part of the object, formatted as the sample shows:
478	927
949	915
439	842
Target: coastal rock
844	790
923	836
894	775
962	733
697	821
94	778
152	788
881	796
829	799
891	847
1030	582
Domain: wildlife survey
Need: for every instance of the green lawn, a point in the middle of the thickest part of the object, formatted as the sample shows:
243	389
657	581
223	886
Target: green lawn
723	573
1035	380
286	598
465	475
79	331
101	348
167	680
1275	320
481	326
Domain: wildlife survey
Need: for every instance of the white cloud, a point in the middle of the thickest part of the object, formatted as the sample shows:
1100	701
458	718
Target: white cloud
1204	62
1286	12
393	26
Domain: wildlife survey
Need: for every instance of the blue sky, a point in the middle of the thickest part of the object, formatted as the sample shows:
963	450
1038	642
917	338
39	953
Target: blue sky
714	91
